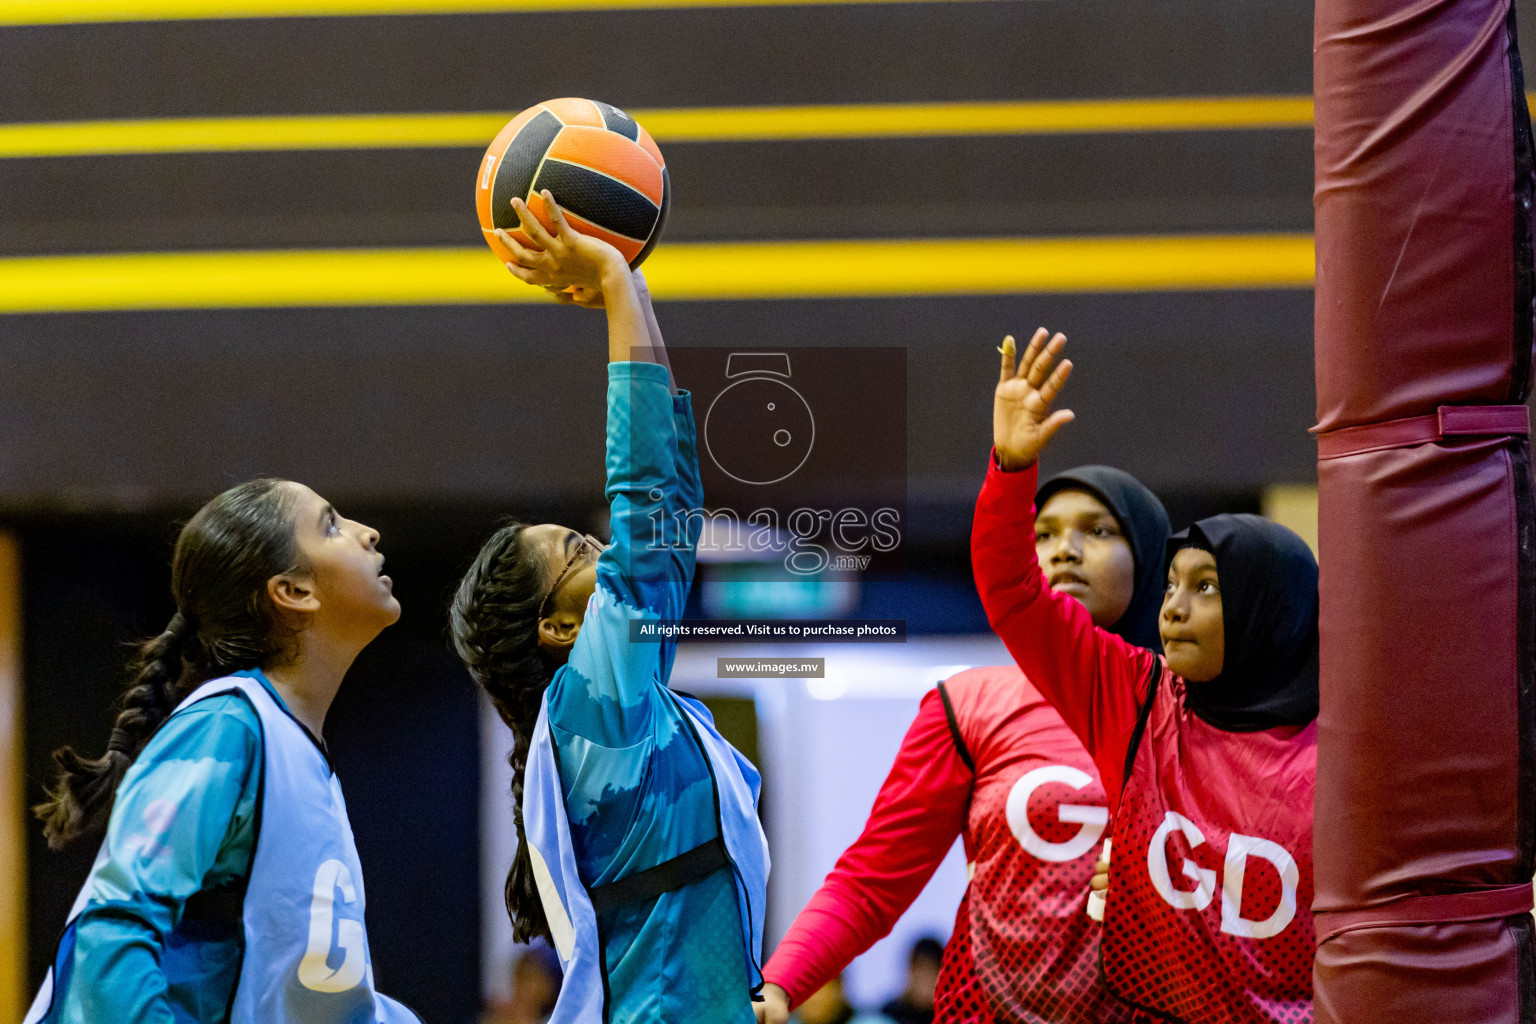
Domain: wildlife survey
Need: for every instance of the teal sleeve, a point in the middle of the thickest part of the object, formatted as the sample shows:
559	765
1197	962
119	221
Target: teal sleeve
686	502
605	691
184	820
641	567
685	507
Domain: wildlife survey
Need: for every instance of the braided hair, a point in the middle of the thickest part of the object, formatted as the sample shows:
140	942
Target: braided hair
224	622
494	620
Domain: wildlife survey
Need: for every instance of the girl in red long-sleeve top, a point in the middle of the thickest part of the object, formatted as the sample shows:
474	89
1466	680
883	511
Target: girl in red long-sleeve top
988	759
1208	755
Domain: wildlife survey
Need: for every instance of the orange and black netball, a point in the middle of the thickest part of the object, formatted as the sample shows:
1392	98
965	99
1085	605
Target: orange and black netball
604	170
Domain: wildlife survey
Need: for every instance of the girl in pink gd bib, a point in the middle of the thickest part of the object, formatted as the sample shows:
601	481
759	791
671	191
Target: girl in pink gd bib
1207	754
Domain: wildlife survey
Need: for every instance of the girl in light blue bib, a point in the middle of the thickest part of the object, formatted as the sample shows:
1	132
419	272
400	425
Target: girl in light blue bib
228	887
640	855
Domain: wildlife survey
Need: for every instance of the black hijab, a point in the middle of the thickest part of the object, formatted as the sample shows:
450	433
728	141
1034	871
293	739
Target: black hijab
1268	581
1144	522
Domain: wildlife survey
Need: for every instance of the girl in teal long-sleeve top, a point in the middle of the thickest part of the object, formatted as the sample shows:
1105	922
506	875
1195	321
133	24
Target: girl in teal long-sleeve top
544	617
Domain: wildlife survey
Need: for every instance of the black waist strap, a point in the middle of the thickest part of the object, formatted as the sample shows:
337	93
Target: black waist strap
227	905
698	862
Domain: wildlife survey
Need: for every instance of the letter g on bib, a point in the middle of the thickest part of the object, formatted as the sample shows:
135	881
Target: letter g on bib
315	972
1092	818
1162	878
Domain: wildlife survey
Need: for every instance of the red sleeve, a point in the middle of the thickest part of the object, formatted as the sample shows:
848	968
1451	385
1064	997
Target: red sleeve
920	810
1093	677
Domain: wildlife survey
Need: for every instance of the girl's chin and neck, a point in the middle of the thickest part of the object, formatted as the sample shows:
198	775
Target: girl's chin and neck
1188	662
323	650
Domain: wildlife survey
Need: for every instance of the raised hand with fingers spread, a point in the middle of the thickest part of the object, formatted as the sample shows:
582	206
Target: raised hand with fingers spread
1022	420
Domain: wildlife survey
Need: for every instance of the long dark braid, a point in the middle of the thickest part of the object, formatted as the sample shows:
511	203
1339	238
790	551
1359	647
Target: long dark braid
494	621
224	623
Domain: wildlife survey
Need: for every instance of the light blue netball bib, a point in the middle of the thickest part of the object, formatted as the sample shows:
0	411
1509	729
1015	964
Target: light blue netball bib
567	903
306	949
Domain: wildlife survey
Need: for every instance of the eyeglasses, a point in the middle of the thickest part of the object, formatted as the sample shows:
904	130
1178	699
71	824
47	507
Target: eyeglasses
587	542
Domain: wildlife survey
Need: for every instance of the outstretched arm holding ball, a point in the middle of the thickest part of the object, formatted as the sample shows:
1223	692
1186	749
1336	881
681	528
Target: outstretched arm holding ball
544	620
582	270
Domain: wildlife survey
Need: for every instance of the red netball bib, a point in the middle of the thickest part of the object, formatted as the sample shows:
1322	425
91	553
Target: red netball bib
1037	818
1209	914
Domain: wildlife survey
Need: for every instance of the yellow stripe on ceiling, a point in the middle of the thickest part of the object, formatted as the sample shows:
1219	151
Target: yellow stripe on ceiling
682	271
71	12
667	125
1048	117
236	134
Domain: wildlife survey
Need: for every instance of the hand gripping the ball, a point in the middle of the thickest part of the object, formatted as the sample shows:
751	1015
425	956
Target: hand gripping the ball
568	264
1022	420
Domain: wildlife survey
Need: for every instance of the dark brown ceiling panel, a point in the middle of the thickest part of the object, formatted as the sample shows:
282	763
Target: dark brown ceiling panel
477	404
647	58
976	186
